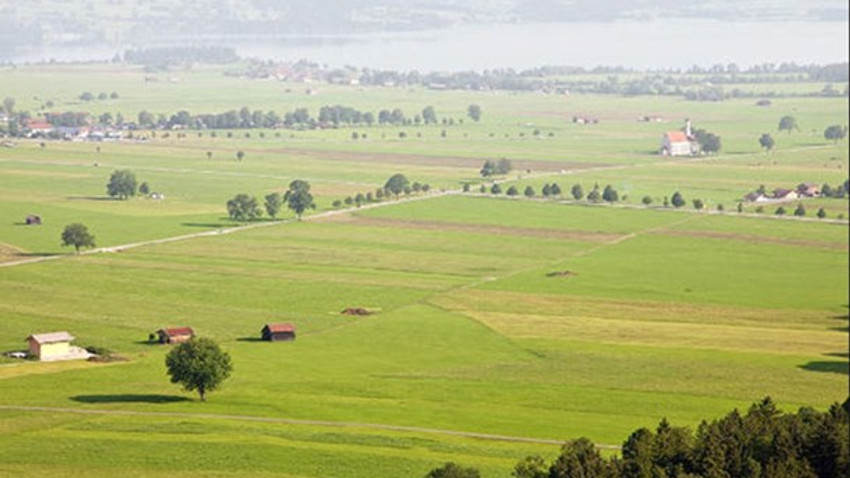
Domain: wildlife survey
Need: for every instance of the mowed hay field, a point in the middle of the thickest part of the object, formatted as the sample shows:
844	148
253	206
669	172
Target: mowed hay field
501	327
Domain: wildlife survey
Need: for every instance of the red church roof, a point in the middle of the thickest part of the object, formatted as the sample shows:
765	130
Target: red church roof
677	137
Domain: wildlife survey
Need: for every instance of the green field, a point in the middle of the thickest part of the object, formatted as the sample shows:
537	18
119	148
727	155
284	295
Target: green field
536	321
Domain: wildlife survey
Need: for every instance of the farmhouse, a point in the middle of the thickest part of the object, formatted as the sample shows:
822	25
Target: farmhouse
278	332
52	346
785	194
809	190
175	335
679	143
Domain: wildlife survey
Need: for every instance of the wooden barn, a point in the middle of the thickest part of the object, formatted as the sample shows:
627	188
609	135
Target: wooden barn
50	346
175	335
33	220
278	332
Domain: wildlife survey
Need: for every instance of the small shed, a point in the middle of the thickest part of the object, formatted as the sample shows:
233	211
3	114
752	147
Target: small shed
33	220
278	332
51	345
175	335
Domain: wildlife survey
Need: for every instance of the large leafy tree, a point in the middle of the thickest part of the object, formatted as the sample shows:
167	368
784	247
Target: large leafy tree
198	364
298	197
766	141
474	112
273	203
787	123
243	208
397	183
835	132
453	470
77	235
677	200
122	184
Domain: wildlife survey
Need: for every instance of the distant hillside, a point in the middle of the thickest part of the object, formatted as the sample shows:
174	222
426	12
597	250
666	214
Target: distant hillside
52	22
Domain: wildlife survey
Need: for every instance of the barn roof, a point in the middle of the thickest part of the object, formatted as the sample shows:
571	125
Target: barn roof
177	331
279	328
676	137
52	337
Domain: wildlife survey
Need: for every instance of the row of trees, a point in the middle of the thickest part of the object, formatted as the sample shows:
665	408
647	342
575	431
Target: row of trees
762	443
396	185
328	115
244	207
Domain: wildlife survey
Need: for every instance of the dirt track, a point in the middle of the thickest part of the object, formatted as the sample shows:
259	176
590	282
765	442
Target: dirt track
753	239
289	421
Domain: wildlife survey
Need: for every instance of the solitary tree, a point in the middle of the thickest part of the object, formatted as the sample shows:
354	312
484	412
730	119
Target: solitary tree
647	200
209	154
77	235
835	132
243	208
699	204
298	197
396	184
122	184
273	203
198	364
821	213
529	192
474	112
677	200
766	141
144	188
240	155
429	115
787	123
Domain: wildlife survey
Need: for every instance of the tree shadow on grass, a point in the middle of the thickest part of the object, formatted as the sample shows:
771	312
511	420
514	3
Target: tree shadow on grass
129	398
830	366
211	225
250	339
40	254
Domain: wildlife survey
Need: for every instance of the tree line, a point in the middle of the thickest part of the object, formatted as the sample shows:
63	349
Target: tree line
395	186
244	207
764	442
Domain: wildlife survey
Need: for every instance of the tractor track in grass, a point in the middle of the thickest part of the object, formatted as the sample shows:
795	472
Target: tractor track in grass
294	421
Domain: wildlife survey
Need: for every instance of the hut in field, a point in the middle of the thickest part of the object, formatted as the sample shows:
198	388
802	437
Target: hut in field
175	335
278	332
50	346
33	220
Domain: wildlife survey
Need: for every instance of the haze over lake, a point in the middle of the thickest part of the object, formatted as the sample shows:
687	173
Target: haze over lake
677	43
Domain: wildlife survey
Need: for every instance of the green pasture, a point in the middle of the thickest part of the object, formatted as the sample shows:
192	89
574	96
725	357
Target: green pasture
534	319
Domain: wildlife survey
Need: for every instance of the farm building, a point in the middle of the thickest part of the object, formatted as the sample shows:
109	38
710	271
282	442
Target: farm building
175	335
277	332
33	220
809	190
785	194
50	346
679	143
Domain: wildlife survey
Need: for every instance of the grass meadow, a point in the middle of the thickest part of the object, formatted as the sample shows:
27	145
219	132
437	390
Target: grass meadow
537	321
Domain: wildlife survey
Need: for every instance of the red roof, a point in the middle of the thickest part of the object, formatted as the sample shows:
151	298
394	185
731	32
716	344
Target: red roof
279	328
677	137
177	331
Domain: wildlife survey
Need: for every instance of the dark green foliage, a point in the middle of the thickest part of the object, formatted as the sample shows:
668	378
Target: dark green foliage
764	443
699	204
529	192
787	123
77	235
492	168
496	189
298	197
708	141
512	191
244	208
144	188
396	184
122	184
766	141
453	470
821	213
594	195
198	364
609	194
466	187
555	190
240	155
647	200
577	192
835	132
547	190
780	211
677	200
273	203
800	211
482	189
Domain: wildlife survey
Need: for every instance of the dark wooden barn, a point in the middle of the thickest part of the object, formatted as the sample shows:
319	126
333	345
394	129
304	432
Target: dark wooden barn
278	332
175	335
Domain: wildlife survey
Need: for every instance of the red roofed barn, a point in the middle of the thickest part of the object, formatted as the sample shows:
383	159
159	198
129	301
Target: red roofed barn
276	332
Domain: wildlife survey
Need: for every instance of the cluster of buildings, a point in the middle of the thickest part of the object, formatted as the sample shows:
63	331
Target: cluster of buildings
55	346
807	190
39	128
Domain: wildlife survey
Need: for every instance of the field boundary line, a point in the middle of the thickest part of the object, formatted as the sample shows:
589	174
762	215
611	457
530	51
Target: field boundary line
294	421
